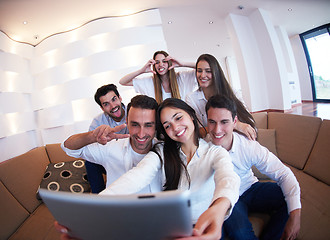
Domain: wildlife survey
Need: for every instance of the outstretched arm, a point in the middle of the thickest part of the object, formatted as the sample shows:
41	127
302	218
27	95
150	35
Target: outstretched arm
128	79
102	135
209	224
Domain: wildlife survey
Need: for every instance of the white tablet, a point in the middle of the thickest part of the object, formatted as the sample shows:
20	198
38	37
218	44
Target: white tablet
139	216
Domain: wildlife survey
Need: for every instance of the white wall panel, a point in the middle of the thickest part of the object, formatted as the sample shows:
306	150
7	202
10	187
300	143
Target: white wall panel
85	109
9	46
18	144
20	122
57	134
55	116
15	102
15	82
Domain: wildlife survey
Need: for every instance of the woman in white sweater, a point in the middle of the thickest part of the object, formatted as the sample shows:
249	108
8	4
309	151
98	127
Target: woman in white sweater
187	162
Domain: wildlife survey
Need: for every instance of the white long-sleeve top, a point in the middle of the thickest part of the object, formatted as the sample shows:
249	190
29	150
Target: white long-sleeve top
186	83
117	157
210	170
246	153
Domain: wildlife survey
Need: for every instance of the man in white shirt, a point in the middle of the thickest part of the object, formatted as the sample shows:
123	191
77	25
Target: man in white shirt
114	114
117	157
281	199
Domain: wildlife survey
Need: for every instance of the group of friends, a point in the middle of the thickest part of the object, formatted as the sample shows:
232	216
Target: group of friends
179	133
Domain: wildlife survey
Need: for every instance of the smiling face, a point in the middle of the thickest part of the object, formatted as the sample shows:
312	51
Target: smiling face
221	125
141	127
178	125
204	74
161	65
111	105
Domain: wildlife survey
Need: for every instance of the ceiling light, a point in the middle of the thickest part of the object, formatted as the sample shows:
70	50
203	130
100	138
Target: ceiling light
169	22
290	9
210	22
25	22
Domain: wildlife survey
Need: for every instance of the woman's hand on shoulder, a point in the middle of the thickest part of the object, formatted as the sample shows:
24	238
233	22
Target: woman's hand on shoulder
247	130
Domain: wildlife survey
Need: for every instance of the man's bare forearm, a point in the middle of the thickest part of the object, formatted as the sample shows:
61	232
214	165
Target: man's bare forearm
80	140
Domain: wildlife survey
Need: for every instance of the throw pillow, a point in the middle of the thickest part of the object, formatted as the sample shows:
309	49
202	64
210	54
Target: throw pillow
66	176
267	138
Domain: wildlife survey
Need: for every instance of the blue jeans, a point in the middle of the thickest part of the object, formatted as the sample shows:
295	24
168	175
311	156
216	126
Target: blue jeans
95	177
266	197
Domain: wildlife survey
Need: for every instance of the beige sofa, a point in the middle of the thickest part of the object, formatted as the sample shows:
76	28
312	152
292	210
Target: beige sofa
23	217
302	143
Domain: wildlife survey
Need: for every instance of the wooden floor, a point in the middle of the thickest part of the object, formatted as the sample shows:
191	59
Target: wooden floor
321	110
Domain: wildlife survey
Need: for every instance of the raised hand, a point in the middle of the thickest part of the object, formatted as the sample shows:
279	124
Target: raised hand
105	133
148	67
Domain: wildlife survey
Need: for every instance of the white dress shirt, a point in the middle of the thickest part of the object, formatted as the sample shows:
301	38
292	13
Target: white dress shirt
246	153
210	170
117	157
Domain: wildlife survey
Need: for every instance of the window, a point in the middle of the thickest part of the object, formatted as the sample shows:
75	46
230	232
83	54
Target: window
316	43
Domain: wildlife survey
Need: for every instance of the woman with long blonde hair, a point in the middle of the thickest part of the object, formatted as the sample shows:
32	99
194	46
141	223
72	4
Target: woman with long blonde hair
165	82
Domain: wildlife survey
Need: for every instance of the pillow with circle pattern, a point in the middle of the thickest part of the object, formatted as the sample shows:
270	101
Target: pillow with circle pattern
66	176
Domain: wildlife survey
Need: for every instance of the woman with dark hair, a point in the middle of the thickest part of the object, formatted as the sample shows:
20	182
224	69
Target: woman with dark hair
187	162
211	81
165	82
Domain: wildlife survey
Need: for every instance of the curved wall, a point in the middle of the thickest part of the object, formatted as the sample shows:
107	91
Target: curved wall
47	91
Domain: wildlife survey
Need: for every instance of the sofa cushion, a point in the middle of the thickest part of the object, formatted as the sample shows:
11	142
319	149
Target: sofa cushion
318	164
12	213
22	175
66	176
315	212
56	153
261	119
295	136
39	226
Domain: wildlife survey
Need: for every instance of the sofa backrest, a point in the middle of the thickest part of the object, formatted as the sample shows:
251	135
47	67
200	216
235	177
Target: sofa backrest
56	153
295	136
318	163
260	119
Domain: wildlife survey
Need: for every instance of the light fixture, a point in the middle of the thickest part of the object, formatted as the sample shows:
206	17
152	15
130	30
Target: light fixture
290	9
25	22
210	22
169	22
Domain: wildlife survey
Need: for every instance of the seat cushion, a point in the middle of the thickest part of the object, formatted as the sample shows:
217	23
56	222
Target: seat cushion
12	214
39	226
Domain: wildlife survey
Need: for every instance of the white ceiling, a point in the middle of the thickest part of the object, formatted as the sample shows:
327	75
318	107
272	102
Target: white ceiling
190	26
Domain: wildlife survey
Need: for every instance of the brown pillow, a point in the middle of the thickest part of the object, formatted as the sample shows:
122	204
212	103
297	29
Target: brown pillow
66	176
267	138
